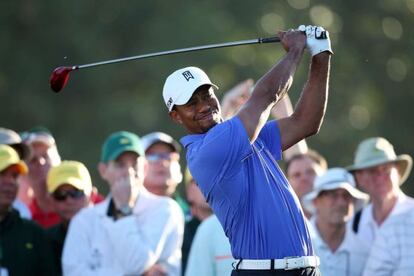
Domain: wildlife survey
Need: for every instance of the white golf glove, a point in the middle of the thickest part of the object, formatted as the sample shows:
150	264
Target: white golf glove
317	39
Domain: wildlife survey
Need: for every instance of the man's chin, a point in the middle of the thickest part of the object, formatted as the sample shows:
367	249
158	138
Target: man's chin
208	125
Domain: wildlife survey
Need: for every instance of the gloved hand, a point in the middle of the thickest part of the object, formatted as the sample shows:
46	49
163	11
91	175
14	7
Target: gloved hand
317	39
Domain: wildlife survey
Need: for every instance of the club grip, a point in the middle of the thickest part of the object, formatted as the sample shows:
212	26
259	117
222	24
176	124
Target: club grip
269	39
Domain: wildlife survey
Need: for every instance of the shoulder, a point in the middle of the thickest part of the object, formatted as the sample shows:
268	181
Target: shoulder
210	226
400	221
89	214
54	229
211	221
161	204
31	226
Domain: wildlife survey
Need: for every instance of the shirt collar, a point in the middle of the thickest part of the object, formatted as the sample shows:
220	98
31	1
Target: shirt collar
400	206
320	243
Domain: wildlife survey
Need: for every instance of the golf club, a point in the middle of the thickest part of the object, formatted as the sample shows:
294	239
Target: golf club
60	75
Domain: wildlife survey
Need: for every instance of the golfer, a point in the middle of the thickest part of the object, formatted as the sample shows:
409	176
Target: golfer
234	161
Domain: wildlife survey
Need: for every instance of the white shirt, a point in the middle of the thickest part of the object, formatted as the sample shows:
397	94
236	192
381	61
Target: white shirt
338	263
393	250
368	228
210	253
98	245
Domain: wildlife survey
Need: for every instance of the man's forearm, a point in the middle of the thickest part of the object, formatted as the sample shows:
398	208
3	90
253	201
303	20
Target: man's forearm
312	102
275	83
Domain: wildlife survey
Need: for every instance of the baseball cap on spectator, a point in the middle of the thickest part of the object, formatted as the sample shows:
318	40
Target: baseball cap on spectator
159	137
376	151
73	173
38	134
43	136
120	142
11	138
180	85
332	179
9	157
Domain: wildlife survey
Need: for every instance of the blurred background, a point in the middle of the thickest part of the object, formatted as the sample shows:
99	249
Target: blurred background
371	87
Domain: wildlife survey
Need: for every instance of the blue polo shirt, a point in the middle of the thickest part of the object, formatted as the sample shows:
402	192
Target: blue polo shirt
248	192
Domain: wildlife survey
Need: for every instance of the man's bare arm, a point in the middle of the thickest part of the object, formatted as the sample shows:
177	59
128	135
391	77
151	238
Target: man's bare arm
310	109
281	110
273	85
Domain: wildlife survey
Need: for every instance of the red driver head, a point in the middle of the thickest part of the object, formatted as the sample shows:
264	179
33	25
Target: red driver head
59	78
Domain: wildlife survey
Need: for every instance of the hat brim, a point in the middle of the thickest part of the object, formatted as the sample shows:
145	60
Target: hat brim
404	164
21	166
360	198
22	149
75	182
115	154
185	97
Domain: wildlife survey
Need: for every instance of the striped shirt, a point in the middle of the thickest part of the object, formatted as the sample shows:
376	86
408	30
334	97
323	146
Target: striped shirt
368	228
342	262
393	250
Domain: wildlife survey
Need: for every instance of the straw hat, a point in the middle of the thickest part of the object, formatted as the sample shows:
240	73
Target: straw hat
377	151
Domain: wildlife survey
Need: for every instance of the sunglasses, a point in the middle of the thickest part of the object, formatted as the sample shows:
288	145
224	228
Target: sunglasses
155	157
62	195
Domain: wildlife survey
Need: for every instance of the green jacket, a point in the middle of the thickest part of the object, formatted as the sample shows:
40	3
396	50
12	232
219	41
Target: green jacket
57	235
24	247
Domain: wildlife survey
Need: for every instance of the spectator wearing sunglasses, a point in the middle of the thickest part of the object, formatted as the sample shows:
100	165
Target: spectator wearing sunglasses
164	170
70	187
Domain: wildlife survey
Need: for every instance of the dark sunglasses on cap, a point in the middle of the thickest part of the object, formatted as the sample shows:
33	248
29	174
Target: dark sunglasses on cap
155	157
62	195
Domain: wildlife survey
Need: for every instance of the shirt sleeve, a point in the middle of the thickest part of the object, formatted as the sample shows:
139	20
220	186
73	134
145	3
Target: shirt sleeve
221	153
139	247
270	135
134	247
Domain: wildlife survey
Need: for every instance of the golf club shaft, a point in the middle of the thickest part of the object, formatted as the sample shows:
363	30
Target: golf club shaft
176	51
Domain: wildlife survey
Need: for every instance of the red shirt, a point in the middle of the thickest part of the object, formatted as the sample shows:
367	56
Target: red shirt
45	219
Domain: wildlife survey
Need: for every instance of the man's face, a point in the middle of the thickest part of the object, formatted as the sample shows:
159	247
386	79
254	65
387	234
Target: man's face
379	181
164	170
302	173
67	201
200	113
334	207
43	157
127	164
8	186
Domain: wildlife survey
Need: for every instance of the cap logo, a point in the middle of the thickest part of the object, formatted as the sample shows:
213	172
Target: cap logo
187	75
123	141
170	100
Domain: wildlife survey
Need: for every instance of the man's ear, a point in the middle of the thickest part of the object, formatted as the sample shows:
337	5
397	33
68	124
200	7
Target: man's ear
175	116
102	169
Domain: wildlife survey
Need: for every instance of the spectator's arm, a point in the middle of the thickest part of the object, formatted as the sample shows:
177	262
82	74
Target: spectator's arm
140	247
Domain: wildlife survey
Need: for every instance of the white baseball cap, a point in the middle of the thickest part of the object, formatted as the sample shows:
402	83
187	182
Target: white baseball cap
180	85
159	137
332	179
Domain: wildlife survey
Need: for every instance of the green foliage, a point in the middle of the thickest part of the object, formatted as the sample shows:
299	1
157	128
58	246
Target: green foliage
370	90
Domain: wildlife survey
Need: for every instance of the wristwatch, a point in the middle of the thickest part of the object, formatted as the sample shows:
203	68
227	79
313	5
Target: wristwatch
125	210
